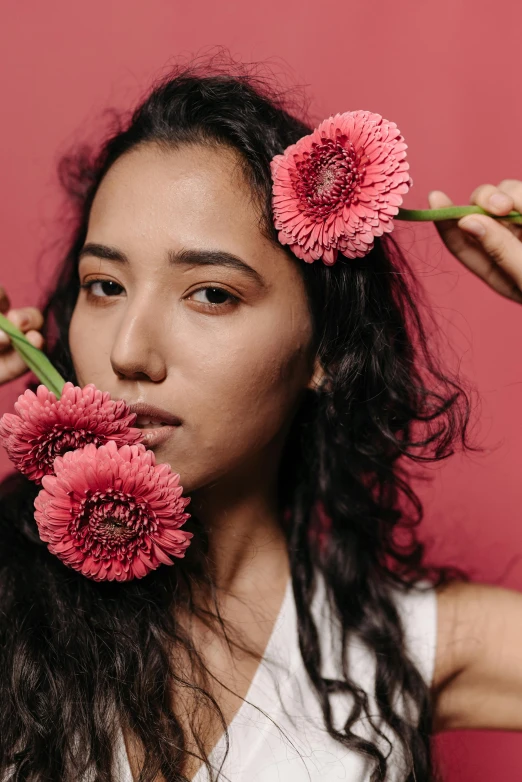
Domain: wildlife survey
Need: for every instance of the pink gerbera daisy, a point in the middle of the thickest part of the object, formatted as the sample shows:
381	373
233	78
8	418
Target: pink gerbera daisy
46	427
112	513
337	188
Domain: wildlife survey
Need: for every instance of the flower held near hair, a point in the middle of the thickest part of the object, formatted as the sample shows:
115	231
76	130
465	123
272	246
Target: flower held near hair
112	513
46	427
339	187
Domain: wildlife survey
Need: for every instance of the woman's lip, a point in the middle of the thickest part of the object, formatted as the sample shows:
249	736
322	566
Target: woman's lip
157	435
153	413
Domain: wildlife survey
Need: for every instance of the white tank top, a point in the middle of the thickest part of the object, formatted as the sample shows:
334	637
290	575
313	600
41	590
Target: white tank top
284	739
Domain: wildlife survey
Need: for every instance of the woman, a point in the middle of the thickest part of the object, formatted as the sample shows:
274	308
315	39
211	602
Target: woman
295	389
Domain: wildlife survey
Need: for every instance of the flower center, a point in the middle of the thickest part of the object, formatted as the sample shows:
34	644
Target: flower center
329	177
61	439
112	523
325	180
115	528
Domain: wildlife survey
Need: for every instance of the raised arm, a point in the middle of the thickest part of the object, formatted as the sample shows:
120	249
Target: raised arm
478	664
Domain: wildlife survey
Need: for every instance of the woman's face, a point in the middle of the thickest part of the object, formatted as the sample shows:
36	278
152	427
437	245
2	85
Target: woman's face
230	364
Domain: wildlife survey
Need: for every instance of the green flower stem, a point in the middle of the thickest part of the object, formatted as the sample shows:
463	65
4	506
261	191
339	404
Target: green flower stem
453	213
35	359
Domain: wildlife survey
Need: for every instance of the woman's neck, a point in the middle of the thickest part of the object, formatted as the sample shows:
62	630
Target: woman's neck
242	517
246	545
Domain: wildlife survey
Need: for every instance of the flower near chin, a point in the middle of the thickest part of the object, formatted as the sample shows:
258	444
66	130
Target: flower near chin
111	512
337	188
45	427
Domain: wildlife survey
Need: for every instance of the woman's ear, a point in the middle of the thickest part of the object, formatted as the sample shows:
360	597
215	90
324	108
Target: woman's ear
318	376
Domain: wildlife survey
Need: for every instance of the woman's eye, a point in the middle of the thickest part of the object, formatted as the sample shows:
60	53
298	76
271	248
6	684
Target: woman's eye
107	286
211	296
215	297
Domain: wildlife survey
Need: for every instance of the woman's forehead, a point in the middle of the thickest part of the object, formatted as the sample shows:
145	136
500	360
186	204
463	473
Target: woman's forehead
192	179
154	200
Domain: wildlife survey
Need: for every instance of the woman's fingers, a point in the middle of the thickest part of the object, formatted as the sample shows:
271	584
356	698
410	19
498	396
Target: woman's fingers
35	338
463	245
24	318
501	247
496	255
501	199
29	320
492	199
12	364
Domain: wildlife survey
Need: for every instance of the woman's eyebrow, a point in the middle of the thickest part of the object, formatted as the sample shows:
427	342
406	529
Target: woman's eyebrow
186	257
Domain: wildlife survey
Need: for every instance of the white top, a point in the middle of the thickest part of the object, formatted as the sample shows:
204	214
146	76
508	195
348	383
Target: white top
286	741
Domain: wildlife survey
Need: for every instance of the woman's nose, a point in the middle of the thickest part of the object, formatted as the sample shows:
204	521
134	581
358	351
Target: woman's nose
137	350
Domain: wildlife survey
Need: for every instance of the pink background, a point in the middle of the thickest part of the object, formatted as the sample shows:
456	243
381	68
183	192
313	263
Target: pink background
445	73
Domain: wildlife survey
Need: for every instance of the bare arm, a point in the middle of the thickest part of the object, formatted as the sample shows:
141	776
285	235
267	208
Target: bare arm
477	681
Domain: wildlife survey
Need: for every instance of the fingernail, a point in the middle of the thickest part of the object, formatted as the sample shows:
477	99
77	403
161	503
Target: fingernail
474	227
3	336
499	201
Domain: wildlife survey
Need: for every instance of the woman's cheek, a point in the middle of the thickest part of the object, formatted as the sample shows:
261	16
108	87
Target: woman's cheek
256	394
90	357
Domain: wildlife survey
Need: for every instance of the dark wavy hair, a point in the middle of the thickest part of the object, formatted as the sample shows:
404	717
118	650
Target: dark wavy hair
75	653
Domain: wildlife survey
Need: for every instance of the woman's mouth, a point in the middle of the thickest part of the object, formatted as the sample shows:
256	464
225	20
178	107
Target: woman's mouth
156	433
144	424
157	424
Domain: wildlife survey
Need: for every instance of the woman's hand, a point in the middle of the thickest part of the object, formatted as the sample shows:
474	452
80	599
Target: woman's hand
496	256
29	320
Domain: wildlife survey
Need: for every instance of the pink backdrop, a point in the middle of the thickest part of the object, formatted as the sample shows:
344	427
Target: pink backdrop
443	72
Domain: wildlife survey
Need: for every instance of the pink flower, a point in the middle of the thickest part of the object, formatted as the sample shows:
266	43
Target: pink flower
340	186
45	427
112	513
